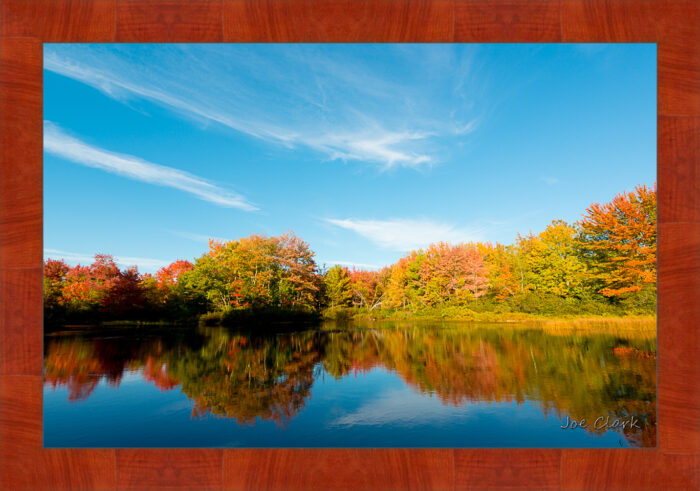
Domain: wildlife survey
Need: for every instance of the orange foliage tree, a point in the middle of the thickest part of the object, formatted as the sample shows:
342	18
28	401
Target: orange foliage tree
452	273
367	287
618	240
499	260
300	283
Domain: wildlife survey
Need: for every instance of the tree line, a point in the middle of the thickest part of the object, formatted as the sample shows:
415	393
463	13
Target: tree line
603	264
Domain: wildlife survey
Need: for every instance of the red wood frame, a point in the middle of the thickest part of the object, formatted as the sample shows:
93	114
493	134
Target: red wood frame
25	24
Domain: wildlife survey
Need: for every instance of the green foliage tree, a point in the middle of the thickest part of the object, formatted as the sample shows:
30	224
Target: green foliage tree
552	262
337	286
256	272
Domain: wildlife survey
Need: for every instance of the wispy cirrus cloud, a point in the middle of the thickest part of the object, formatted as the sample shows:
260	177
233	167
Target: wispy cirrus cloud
407	234
351	264
380	146
196	237
59	143
73	258
313	99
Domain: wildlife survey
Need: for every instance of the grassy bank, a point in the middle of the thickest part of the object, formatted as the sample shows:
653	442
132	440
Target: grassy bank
522	307
602	319
621	326
468	315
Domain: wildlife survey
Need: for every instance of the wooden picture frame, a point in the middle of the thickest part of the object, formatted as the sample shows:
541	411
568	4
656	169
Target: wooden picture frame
25	24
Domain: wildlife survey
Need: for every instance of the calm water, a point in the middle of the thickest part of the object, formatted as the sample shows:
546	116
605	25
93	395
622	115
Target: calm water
364	385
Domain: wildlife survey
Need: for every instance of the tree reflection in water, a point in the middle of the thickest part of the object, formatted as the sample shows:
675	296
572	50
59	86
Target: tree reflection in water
229	374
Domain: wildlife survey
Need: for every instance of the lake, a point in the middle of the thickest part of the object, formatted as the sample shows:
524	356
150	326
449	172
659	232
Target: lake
371	384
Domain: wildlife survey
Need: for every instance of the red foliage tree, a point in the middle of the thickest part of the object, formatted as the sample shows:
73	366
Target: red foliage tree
55	270
168	275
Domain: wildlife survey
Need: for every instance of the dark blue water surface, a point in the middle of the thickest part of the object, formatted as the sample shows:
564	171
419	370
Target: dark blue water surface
366	385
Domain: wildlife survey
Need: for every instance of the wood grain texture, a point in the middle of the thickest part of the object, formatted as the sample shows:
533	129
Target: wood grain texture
673	24
338	469
162	21
670	23
507	468
21	318
521	21
139	469
679	337
338	21
619	469
20	154
25	464
56	21
678	169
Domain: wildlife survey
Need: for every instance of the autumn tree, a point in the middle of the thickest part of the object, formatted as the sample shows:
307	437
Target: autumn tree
299	281
167	275
153	295
618	242
501	264
337	286
124	294
452	273
90	290
403	282
367	287
256	272
396	292
216	277
54	274
80	290
552	262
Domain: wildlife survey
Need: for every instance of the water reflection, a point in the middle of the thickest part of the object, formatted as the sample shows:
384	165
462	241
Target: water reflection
255	378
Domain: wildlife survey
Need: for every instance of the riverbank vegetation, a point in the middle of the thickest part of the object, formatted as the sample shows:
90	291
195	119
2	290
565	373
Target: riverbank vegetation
602	265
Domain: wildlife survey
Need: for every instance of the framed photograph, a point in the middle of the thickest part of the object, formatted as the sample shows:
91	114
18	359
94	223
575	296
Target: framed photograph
349	245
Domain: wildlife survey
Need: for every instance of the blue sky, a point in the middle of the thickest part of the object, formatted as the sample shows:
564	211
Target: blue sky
366	151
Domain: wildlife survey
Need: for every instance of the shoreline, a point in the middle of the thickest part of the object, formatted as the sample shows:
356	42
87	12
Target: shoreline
644	323
491	317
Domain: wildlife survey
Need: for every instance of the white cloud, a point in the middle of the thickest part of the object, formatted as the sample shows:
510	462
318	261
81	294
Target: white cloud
465	129
382	146
117	86
549	181
403	407
407	234
73	258
197	237
67	147
351	264
310	99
